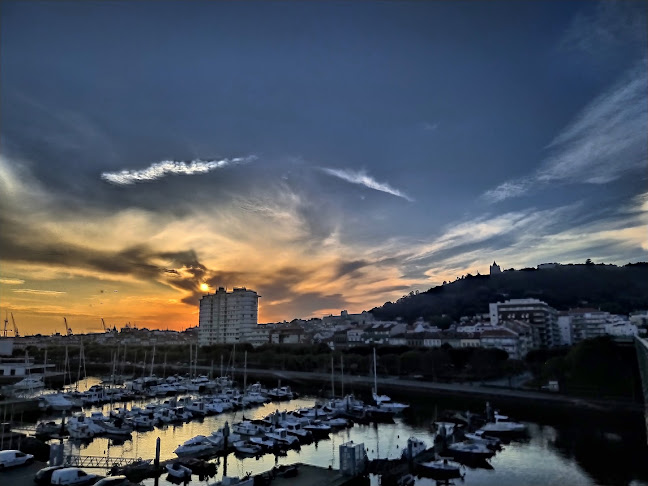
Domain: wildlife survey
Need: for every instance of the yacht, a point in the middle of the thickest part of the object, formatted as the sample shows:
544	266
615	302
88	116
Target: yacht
416	446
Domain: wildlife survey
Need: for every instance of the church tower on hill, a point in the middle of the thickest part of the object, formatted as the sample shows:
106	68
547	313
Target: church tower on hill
495	269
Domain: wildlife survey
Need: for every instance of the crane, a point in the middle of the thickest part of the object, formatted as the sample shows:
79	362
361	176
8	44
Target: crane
68	329
103	324
16	333
6	323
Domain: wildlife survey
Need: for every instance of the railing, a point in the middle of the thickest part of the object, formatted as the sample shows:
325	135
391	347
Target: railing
101	462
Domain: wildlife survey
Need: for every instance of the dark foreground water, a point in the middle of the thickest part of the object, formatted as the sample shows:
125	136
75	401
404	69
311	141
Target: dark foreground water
570	448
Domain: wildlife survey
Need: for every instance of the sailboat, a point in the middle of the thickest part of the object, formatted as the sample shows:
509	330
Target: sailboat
384	402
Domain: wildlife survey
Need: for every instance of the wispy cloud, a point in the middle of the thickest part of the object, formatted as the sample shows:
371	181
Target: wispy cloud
11	281
38	292
606	140
364	179
170	167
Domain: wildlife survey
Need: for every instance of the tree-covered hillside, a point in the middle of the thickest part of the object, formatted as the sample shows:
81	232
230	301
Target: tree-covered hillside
618	290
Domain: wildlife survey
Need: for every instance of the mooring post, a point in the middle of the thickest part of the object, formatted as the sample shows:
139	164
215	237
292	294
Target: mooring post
157	454
226	432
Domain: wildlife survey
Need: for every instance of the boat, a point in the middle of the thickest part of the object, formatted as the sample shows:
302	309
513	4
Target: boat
416	446
295	428
440	469
282	437
481	437
470	450
317	428
234	481
503	426
178	471
280	393
247	428
29	383
248	448
199	445
49	428
384	401
54	401
407	480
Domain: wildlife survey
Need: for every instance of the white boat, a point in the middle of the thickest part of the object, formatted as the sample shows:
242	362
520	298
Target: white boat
264	442
481	437
81	427
295	428
441	469
383	401
29	383
503	426
416	446
316	427
245	447
247	428
54	401
280	393
281	436
178	471
336	423
234	481
196	446
470	450
445	428
142	421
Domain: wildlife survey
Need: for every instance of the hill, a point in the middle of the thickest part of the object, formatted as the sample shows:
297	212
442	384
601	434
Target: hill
619	290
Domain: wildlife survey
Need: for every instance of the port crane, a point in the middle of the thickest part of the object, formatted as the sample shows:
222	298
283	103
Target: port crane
103	324
68	329
6	323
16	333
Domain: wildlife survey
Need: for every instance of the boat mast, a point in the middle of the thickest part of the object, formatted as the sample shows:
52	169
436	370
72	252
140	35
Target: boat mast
245	373
152	359
190	358
375	374
342	374
332	378
196	362
65	365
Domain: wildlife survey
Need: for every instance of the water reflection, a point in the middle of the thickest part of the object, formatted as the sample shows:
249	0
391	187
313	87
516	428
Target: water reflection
579	452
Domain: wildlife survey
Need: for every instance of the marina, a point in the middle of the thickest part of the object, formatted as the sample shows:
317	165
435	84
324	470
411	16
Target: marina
543	452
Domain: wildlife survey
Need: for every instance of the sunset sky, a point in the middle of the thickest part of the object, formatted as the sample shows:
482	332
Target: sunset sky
330	156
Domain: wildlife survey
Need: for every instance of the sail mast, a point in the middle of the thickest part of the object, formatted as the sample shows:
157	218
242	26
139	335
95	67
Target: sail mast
375	379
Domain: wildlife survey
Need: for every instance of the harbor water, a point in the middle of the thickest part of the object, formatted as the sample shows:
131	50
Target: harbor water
573	450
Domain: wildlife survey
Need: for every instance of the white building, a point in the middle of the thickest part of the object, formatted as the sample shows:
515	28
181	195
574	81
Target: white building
227	317
587	323
541	316
565	326
502	338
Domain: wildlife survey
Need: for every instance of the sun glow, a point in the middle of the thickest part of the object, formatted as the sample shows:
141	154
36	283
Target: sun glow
204	287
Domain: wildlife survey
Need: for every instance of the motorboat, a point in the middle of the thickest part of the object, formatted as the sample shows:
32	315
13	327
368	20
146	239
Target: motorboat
78	423
317	428
55	401
234	481
440	469
263	442
416	446
49	428
29	383
280	393
336	422
470	450
481	437
178	471
295	428
283	437
247	428
385	402
503	426
196	446
245	447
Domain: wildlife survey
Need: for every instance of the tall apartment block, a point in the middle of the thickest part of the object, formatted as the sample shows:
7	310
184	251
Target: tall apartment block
227	317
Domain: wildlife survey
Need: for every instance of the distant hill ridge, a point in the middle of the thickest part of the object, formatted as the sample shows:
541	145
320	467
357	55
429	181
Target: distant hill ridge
619	290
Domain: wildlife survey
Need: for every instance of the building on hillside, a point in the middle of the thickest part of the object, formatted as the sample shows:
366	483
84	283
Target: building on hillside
470	340
565	326
354	336
432	340
620	327
545	266
502	338
525	335
495	269
587	323
541	316
287	335
227	317
259	335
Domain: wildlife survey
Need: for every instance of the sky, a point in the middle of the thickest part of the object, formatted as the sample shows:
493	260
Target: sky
329	155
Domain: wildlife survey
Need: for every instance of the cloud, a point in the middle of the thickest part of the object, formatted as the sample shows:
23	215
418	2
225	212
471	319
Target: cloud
166	167
363	179
605	141
38	292
11	281
602	27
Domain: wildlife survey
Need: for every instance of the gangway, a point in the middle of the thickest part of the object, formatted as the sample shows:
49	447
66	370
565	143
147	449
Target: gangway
99	462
